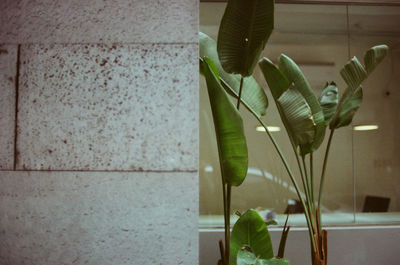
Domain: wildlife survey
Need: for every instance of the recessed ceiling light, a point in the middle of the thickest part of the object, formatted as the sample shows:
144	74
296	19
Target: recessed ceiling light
270	129
208	168
365	127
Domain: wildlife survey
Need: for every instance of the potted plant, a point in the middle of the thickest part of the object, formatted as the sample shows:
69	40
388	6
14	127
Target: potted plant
250	242
229	64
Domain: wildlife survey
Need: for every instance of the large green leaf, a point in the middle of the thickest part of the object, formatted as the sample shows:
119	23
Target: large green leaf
243	33
328	101
279	80
278	84
232	148
294	75
250	230
354	74
351	103
253	95
298	116
374	56
246	257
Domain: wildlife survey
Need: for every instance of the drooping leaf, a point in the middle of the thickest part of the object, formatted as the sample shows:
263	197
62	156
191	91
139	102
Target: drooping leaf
294	75
279	80
298	116
231	141
246	257
374	56
278	84
328	101
253	95
351	103
250	230
354	74
244	30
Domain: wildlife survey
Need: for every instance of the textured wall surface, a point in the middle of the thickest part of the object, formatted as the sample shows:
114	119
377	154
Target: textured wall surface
99	132
110	21
97	218
8	63
108	107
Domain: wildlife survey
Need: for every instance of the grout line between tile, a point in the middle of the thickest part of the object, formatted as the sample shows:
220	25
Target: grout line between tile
16	107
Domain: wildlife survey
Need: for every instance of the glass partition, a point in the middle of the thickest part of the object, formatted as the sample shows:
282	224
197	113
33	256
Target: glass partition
376	152
363	169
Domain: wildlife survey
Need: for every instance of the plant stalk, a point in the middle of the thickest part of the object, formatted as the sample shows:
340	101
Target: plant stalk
321	184
225	221
240	93
307	184
312	179
228	224
310	201
303	174
296	186
222	252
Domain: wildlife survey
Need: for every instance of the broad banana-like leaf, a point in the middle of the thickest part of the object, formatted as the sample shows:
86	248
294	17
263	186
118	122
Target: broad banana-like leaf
278	84
250	230
374	56
307	133
328	101
354	74
244	30
298	116
253	95
351	103
231	140
246	257
293	73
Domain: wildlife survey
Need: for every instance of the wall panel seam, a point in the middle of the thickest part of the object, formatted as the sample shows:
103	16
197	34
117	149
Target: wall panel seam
16	107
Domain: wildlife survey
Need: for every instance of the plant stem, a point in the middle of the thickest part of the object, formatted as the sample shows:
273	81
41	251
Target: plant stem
309	200
309	224
304	182
225	220
312	178
228	223
240	93
301	171
321	184
307	184
222	251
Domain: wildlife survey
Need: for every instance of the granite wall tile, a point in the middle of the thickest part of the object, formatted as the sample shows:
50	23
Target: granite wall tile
8	68
98	218
108	107
92	21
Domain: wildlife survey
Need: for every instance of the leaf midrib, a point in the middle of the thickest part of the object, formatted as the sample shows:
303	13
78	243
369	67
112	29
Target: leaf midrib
250	37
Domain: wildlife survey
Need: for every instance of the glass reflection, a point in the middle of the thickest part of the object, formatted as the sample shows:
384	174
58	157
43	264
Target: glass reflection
364	166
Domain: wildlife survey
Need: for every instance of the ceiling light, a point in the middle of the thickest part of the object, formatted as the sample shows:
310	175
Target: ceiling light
365	127
208	168
270	129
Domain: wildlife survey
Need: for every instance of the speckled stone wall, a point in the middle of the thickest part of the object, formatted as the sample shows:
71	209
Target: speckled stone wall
8	63
99	132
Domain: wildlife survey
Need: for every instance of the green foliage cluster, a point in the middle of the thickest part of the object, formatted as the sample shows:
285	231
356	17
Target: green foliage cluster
228	66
